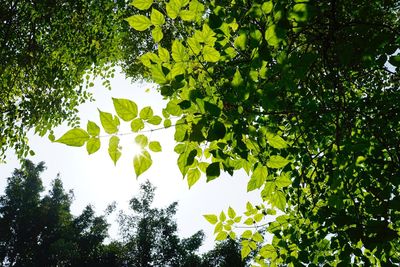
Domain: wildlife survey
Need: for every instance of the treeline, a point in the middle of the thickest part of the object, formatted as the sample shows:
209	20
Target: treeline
38	229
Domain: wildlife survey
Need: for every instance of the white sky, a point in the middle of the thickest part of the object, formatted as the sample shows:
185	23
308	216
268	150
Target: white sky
95	180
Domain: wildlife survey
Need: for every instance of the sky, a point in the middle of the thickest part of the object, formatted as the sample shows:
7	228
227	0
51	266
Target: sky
95	180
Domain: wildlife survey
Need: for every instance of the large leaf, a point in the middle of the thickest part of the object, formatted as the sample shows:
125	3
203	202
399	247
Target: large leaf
276	141
155	146
139	22
277	162
125	108
74	137
92	128
213	171
257	178
142	4
179	53
193	175
157	18
142	162
210	54
146	113
110	124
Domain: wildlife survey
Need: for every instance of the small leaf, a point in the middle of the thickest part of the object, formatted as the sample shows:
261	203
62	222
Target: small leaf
146	113
155	120
173	9
155	146
211	218
221	236
163	54
157	74
139	22
109	123
157	18
210	54
125	108
247	234
278	200
74	137
267	7
142	4
283	180
141	140
179	53
277	162
157	34
222	216
167	123
213	171
276	141
92	128
93	145
142	162
245	251
193	175
187	15
113	149
137	125
231	213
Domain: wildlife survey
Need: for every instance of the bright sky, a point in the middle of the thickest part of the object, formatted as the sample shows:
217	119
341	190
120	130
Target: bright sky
95	180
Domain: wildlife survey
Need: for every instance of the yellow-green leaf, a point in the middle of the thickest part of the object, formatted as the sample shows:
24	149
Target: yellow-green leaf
137	125
157	18
210	54
193	175
110	124
277	162
187	15
142	162
155	146
231	213
276	141
74	137
139	22
221	236
92	128
141	140
155	120
157	34
93	145
163	54
283	180
179	53
125	108
142	4
113	149
146	113
211	218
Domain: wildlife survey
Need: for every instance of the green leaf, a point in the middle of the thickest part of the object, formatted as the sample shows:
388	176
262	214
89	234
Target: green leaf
125	108
274	35
139	22
278	200
179	53
221	236
113	149
157	74
258	178
277	162
187	15
193	175
163	54
276	141
173	9
155	120
210	54
237	79
74	137
110	124
141	140
93	145
137	125
245	251
146	113
142	4
186	159
92	128
193	45
247	234
173	108
213	171
267	7
231	213
155	146
216	131
283	180
142	162
211	218
157	18
222	216
167	123
241	41
157	34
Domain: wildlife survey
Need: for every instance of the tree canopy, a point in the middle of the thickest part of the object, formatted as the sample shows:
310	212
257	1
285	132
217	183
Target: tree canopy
303	96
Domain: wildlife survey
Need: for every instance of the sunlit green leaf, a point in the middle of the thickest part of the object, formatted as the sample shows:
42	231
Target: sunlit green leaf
179	52
210	54
277	162
157	34
278	200
142	4
276	141
156	17
142	162
93	145
146	113
231	213
92	128
213	219
221	236
141	140
193	175
109	123
125	108
74	137
283	180
139	22
113	149
137	125
155	146
155	120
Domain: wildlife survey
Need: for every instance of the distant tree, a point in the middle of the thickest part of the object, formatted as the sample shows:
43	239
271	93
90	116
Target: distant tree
150	234
37	231
225	254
